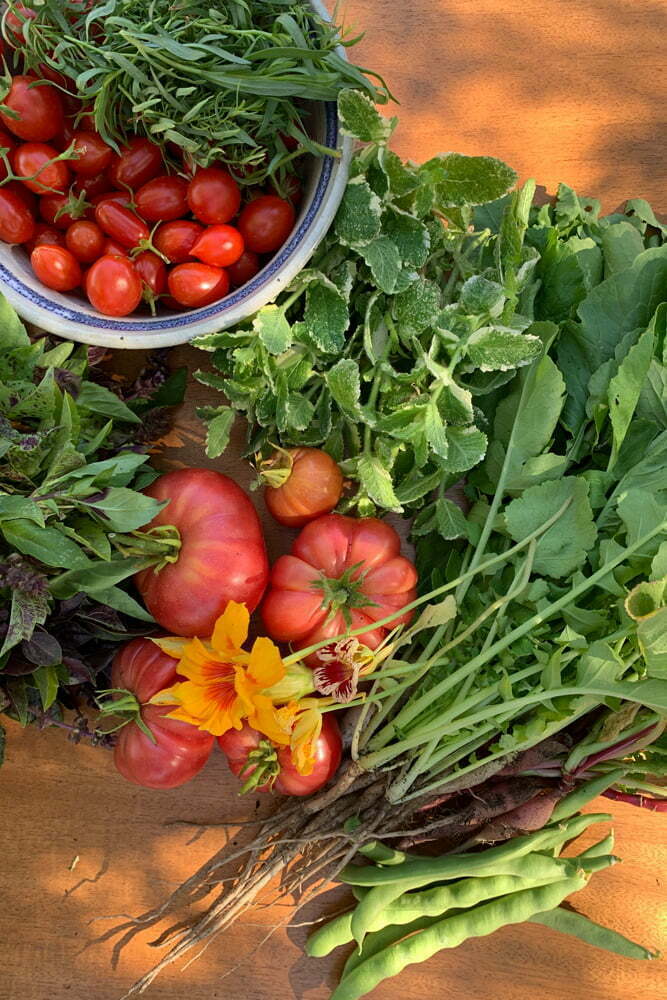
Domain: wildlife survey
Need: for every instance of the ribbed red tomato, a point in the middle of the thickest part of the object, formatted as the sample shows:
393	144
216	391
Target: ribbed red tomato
303	483
343	573
237	744
180	750
222	556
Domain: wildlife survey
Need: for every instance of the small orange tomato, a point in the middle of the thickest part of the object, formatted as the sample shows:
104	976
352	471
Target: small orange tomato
301	484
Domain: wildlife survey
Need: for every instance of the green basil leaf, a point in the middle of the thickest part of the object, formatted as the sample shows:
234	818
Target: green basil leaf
124	509
12	507
48	544
46	682
99	399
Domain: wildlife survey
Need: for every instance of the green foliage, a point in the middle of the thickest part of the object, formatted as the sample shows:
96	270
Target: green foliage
69	459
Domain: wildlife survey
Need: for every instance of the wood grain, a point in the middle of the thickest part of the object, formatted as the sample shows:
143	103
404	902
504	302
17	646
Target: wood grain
562	90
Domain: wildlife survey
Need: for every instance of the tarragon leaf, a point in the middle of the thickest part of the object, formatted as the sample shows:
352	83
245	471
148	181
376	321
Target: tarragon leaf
563	548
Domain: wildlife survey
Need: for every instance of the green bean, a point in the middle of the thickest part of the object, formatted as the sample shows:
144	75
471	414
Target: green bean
379	940
338	931
597	864
452	931
569	922
584	794
359	891
458	865
371	912
603	846
378	852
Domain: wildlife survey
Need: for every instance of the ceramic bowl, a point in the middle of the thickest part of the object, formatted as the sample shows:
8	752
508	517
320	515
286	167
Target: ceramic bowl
75	319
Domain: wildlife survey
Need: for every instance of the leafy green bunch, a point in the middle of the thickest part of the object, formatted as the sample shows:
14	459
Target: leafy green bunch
378	350
71	467
229	83
555	625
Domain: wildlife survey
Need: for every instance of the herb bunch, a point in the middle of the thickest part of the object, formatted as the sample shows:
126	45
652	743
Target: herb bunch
70	471
226	83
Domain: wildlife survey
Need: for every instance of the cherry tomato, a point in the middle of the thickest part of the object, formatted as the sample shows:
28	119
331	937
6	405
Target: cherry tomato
8	143
92	187
302	484
339	562
176	240
137	164
213	195
119	197
222	556
237	744
27	197
266	222
17	223
45	235
56	268
59	210
115	249
39	109
93	154
86	241
180	750
121	224
113	286
219	245
33	158
152	271
162	199
245	268
195	285
65	137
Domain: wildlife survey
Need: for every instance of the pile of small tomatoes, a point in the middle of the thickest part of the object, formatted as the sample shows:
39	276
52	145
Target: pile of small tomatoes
342	573
125	228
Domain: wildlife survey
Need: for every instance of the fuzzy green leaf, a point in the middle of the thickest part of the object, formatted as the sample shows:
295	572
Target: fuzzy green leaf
344	384
360	118
418	306
218	431
467	180
376	481
326	316
466	447
384	260
272	328
494	348
359	217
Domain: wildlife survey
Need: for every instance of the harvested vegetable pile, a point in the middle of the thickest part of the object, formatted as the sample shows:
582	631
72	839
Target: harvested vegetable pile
525	347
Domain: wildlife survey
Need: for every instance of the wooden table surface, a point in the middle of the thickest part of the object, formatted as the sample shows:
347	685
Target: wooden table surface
563	90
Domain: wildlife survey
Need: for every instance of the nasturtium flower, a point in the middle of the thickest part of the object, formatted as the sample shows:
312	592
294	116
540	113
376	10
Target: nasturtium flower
296	725
224	682
340	666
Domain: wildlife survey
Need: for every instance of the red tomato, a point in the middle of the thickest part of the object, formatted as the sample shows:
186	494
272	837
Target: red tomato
121	224
45	236
219	245
115	249
266	222
27	197
113	286
152	271
118	197
303	483
93	154
60	210
39	109
213	195
339	568
33	158
245	268
138	163
92	187
17	223
196	285
222	556
56	268
237	744
180	750
85	240
176	239
162	199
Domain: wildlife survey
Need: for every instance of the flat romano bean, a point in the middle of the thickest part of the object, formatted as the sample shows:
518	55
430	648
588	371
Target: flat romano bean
569	922
372	909
453	866
450	932
581	796
603	846
323	941
358	891
598	863
379	940
378	852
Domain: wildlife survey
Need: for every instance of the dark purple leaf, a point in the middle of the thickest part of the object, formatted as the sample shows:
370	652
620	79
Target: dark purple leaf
43	649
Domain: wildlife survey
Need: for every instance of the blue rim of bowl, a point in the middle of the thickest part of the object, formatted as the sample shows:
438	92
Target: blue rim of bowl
176	320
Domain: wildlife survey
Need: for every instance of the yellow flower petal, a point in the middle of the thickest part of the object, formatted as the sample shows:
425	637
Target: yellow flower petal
168	696
172	645
231	629
265	665
276	723
305	733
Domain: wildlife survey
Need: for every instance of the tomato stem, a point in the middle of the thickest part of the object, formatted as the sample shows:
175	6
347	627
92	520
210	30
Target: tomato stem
126	707
276	470
163	541
262	763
